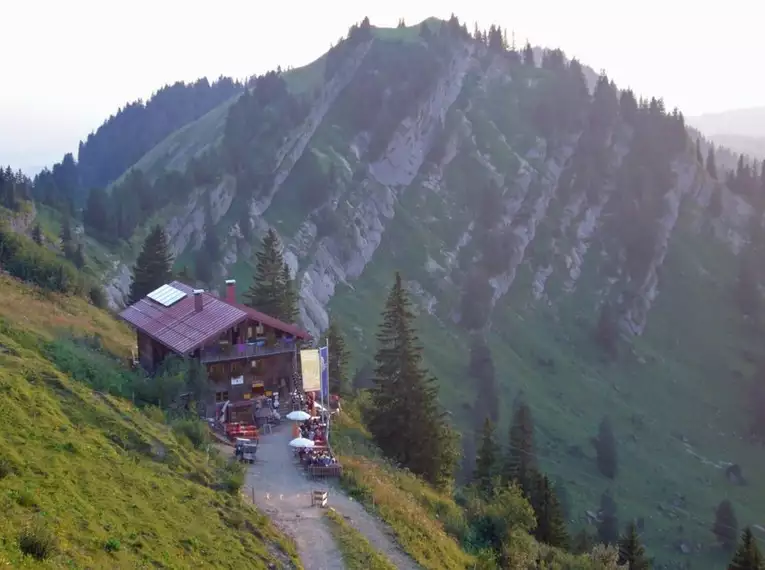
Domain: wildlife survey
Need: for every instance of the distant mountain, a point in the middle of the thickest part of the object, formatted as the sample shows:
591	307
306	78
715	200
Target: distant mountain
752	146
745	122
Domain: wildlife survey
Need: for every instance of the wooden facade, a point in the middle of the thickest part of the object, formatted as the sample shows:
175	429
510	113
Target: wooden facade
243	362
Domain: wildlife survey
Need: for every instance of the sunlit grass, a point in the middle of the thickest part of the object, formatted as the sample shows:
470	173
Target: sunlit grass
357	552
104	485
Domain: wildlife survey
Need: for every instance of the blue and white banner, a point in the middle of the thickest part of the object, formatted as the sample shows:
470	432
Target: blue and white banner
324	358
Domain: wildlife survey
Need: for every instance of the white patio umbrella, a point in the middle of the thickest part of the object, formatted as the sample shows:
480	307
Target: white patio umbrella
301	442
298	416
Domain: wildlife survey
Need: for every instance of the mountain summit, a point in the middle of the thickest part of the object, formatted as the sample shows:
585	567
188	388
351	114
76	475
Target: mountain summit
574	237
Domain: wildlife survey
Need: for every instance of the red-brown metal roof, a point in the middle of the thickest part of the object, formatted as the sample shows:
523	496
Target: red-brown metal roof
182	329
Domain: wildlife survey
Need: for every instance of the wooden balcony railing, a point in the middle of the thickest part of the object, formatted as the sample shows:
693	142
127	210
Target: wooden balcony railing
240	351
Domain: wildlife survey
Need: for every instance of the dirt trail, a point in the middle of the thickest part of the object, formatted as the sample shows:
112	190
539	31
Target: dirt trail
279	488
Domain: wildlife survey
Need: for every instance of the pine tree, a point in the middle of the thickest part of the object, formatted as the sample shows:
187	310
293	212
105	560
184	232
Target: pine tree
288	312
37	234
406	420
521	461
699	156
78	257
153	268
711	166
551	527
725	527
339	383
605	446
486	459
608	527
631	551
483	379
266	293
748	555
583	542
67	245
528	55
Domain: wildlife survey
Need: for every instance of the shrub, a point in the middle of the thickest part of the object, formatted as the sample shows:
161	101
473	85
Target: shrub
112	545
232	478
194	430
98	297
25	498
37	541
24	259
6	468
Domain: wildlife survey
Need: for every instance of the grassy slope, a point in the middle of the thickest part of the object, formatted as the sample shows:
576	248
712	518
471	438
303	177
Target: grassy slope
97	470
358	553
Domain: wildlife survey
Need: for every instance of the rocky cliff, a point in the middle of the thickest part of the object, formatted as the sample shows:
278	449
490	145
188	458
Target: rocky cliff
520	201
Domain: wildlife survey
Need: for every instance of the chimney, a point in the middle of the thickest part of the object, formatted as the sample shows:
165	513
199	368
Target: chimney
231	291
198	300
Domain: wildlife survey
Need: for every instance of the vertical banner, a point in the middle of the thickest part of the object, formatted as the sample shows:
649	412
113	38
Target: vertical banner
311	367
324	357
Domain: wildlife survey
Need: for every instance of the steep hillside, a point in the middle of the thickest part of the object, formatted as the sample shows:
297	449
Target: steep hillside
576	233
87	480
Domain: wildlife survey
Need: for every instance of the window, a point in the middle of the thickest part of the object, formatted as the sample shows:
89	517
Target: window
221	396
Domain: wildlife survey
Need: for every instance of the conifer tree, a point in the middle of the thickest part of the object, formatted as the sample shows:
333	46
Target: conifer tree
528	55
486	458
748	555
583	542
521	462
699	156
37	234
483	379
551	527
339	383
631	551
78	257
288	312
725	527
711	166
605	446
266	293
406	420
67	245
608	527
153	268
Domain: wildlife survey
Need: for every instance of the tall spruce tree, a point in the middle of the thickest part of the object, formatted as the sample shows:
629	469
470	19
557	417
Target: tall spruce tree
288	312
483	379
699	156
486	459
711	165
528	55
339	383
605	446
551	526
748	555
153	268
608	526
631	551
67	243
521	461
266	293
405	419
725	527
37	234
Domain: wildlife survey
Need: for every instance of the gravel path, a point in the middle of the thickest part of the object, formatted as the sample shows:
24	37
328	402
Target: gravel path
278	487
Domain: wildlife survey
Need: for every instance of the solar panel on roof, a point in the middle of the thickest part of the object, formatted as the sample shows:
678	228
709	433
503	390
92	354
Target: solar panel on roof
167	295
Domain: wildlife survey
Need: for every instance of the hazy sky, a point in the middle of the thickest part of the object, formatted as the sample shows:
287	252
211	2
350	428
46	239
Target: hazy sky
68	64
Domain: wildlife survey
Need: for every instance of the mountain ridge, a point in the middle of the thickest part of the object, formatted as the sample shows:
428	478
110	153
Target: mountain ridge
522	210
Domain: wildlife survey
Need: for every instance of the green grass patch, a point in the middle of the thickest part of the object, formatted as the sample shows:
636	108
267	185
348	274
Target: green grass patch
89	481
357	552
